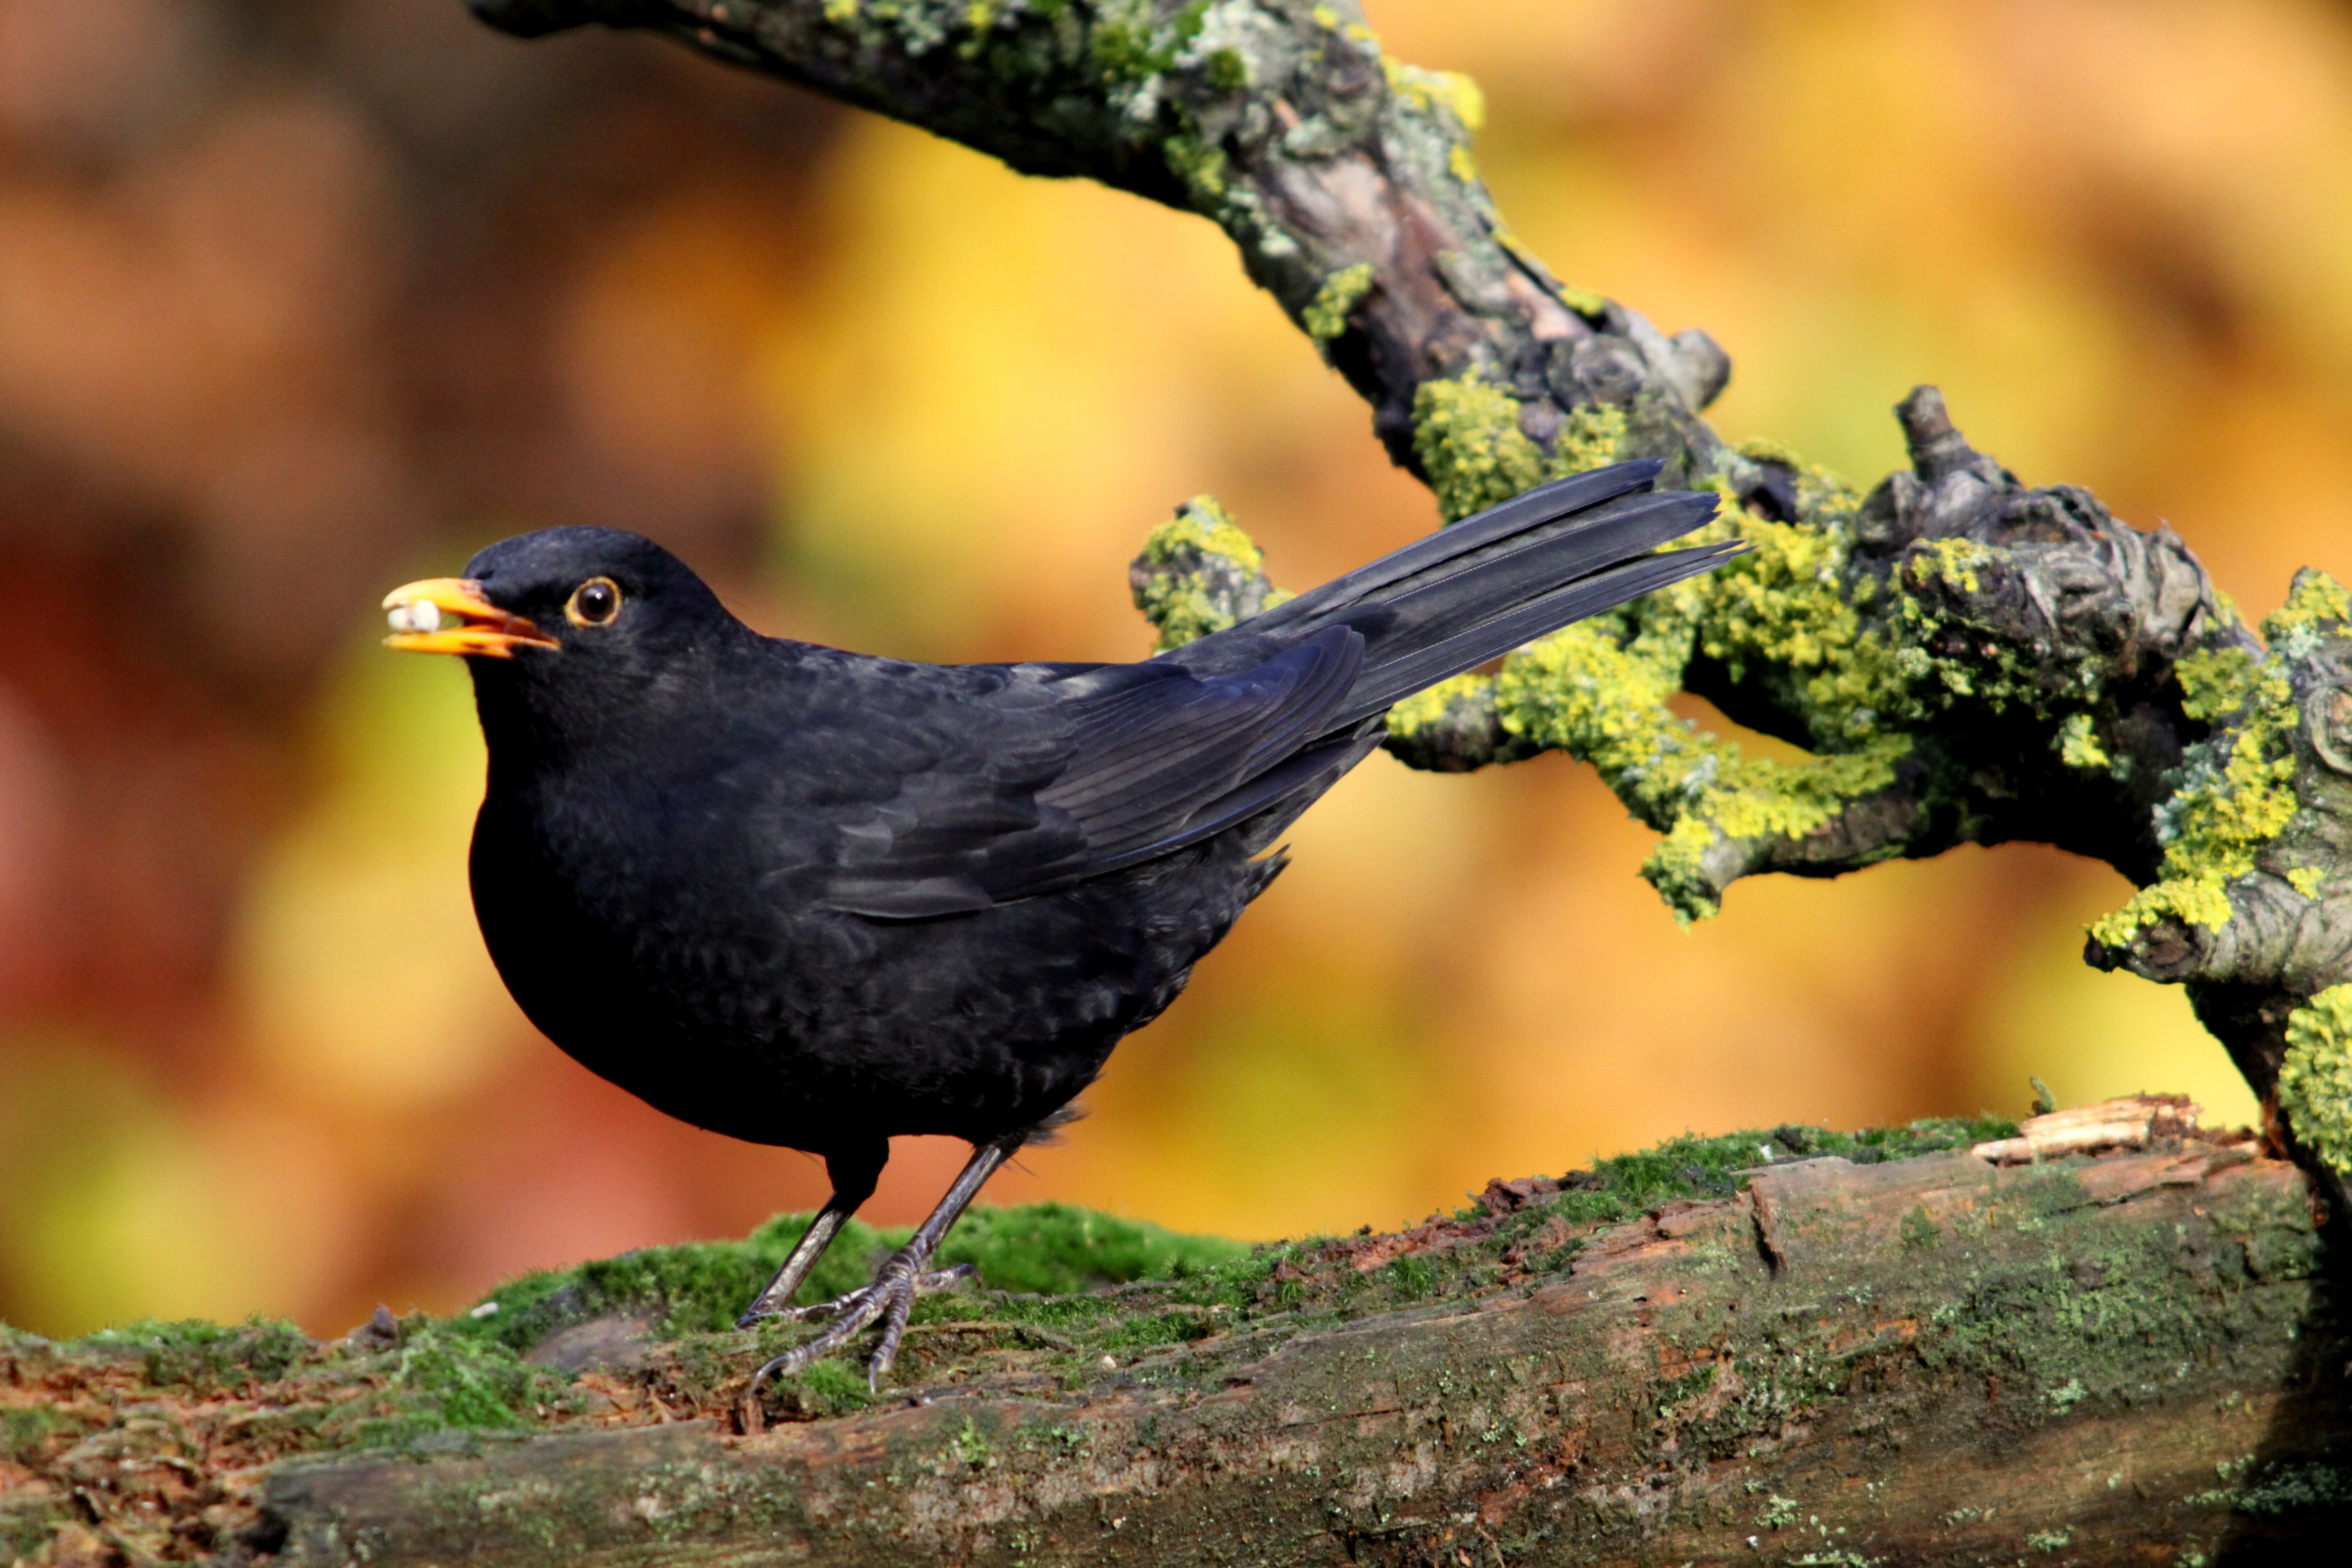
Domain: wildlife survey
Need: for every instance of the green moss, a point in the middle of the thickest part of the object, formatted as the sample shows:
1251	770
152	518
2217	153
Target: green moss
1058	1249
1228	71
1326	316
206	1356
2236	789
27	1524
701	1287
1625	1185
698	1286
827	1388
2315	1083
1198	572
25	1431
455	1380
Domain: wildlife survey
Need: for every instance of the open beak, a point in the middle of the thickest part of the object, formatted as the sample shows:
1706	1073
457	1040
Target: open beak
451	614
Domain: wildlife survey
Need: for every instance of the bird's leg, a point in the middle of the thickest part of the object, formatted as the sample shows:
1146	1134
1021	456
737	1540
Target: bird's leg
903	1275
853	1172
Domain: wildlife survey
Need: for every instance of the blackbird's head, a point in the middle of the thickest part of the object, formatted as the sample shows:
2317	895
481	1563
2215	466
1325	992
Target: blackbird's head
571	607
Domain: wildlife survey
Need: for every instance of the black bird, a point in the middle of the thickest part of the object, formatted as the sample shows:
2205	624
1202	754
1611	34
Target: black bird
814	899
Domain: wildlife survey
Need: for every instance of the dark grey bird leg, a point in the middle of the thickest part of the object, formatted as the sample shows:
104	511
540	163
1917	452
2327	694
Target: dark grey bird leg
902	1277
853	1175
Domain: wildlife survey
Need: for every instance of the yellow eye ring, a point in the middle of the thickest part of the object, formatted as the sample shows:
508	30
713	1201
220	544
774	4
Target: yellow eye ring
594	603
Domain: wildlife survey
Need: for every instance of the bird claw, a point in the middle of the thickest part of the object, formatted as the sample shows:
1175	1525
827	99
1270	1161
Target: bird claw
890	1297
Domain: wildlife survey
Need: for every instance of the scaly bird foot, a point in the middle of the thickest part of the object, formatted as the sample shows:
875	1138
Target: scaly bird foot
890	1297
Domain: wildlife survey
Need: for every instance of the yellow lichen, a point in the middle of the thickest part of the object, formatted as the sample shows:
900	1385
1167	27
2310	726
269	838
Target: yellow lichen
1785	616
2078	744
1589	438
1425	708
1326	316
1429	90
1765	450
1585	692
2214	681
2317	602
839	11
1467	433
1955	561
1585	303
1201	556
2237	792
2315	1082
1463	167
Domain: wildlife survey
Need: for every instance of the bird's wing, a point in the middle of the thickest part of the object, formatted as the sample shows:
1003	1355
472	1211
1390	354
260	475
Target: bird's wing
1071	771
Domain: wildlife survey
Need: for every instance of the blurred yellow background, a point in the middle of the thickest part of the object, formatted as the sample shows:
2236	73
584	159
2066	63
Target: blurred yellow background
301	300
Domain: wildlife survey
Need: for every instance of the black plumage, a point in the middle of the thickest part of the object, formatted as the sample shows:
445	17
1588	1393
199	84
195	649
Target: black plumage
815	899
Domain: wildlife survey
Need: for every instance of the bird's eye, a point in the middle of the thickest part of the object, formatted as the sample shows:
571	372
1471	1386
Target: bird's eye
594	603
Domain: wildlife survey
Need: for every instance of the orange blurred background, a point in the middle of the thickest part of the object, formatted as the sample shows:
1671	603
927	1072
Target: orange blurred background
301	299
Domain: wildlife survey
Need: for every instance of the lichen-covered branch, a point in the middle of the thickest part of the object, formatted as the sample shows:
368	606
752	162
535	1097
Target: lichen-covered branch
1961	656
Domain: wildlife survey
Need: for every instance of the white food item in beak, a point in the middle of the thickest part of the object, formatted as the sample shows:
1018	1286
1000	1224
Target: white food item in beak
415	615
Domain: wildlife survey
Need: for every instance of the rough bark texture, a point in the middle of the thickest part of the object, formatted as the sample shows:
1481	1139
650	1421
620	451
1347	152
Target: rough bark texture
1926	1361
2132	1357
1966	657
1929	1361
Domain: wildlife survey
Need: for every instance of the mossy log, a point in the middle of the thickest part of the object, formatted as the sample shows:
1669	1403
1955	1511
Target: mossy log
1863	1356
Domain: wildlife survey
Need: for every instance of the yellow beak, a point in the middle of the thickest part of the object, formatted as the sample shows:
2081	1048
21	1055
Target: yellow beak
451	614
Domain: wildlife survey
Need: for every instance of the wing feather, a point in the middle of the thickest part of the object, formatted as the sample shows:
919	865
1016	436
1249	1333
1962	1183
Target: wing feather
1144	761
